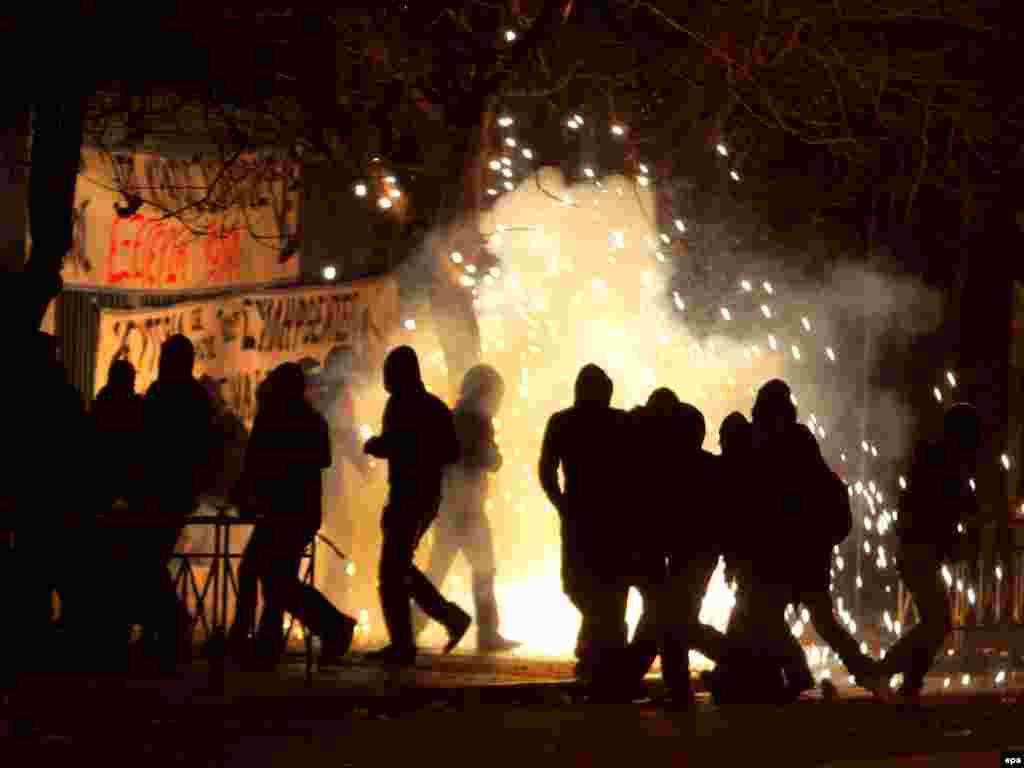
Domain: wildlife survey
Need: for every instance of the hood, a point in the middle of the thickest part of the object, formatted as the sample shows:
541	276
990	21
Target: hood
663	403
177	358
121	378
482	390
735	433
283	387
402	371
693	428
774	404
593	387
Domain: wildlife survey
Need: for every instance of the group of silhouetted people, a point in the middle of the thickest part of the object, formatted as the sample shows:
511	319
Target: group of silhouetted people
641	505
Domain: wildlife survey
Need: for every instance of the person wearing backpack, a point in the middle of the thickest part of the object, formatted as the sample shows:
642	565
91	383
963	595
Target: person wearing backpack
806	495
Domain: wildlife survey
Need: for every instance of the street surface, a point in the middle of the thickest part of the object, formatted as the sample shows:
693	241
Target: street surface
470	710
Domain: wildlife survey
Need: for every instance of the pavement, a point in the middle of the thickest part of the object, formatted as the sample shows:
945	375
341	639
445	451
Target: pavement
466	709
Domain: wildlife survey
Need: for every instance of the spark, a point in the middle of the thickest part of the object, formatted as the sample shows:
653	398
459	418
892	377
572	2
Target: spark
330	272
951	378
680	225
618	130
505	121
806	323
735	175
510	142
725	314
360	190
385	203
830	353
410	324
510	36
528	154
722	150
495	165
745	284
456	257
766	310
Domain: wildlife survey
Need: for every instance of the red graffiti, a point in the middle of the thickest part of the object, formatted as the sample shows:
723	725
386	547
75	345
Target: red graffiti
157	252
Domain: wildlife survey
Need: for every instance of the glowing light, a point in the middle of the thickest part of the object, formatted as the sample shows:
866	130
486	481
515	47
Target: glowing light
965	680
903	482
618	130
745	284
456	257
618	239
806	323
1000	676
643	181
725	314
947	682
528	154
350	569
360	190
680	305
510	36
830	353
643	168
680	225
771	343
971	483
796	352
395	193
509	186
999	573
330	272
722	150
588	172
798	629
768	288
572	124
951	378
735	176
506	161
471	268
492	191
506	172
495	165
467	281
365	432
937	393
390	180
505	121
385	203
510	142
410	324
1006	461
578	119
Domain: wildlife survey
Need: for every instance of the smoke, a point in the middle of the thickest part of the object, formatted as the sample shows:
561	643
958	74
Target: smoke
586	276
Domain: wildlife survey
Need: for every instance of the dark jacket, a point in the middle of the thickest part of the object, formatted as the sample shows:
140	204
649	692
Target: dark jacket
418	437
938	497
118	430
285	456
180	444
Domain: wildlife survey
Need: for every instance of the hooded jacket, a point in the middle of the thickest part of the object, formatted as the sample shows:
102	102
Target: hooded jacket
474	426
418	437
287	452
118	425
179	428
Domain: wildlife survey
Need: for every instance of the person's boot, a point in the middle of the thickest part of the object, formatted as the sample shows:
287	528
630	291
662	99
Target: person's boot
488	639
337	642
398	620
457	626
875	681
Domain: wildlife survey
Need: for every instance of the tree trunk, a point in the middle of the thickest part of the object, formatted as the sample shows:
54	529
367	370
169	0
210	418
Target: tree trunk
55	153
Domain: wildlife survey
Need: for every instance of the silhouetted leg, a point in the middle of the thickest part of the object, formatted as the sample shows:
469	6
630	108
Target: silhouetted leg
819	606
914	653
445	546
277	572
256	554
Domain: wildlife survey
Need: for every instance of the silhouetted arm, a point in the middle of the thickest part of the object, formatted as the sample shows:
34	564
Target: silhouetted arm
381	446
550	458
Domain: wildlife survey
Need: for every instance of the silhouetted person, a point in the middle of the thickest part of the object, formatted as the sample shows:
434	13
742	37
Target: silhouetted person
286	455
49	510
418	441
118	425
180	443
937	498
229	440
792	473
676	482
589	442
766	663
462	525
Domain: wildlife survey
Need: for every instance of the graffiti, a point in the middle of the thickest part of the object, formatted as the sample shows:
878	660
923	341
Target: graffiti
240	338
157	252
249	239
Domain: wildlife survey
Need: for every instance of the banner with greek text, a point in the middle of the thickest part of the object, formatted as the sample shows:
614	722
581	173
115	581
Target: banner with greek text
242	338
180	239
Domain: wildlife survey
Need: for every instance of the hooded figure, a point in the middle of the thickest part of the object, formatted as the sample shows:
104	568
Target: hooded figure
675	469
790	470
180	448
590	442
282	480
462	524
118	424
938	497
418	440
